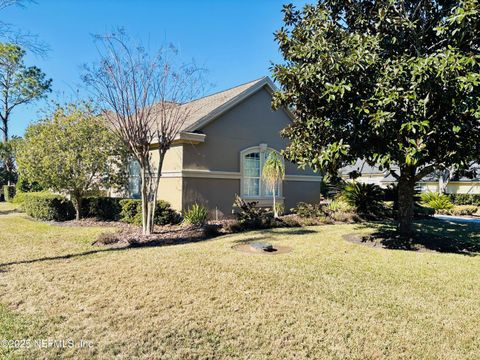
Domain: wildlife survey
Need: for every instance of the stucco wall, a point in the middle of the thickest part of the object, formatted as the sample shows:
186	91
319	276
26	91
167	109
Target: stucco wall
170	189
172	160
250	123
212	193
297	191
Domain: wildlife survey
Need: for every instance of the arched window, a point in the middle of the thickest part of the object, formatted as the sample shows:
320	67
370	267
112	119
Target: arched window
252	161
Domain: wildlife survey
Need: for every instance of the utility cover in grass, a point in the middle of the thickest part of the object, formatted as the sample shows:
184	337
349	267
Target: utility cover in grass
260	245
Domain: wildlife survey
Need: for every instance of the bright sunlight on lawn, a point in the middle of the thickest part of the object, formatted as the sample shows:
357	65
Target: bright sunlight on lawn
328	298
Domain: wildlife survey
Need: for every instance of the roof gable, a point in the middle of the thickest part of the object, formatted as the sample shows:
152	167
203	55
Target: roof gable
206	109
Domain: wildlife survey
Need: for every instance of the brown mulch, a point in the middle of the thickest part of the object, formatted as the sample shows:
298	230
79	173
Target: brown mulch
163	235
277	250
89	222
378	242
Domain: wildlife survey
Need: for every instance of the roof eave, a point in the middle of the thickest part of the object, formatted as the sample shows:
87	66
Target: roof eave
265	82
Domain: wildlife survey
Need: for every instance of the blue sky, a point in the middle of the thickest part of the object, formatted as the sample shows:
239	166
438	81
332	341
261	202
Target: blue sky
233	39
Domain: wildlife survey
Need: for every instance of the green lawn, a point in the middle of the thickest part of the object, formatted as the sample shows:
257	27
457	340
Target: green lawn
328	298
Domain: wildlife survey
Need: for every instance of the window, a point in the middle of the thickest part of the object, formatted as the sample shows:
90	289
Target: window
134	179
253	185
251	174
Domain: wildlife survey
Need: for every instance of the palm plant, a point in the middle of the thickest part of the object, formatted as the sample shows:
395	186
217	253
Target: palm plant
273	173
366	198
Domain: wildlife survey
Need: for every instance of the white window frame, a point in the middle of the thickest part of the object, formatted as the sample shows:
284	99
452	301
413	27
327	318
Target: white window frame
264	150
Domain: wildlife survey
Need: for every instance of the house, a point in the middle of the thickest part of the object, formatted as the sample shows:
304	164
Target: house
221	150
456	185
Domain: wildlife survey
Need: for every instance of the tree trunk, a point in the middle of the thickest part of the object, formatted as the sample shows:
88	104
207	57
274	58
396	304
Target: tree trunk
406	192
5	130
77	203
275	214
144	192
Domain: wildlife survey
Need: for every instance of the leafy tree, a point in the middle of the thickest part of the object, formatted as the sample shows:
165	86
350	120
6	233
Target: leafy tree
394	83
273	173
18	84
73	152
8	174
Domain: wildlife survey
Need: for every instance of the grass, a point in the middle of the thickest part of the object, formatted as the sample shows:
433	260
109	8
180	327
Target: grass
328	298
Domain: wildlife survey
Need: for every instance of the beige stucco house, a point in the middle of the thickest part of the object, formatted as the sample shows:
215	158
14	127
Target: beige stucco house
221	150
373	175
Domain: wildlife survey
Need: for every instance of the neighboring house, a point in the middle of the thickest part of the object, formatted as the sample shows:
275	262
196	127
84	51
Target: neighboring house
372	174
221	150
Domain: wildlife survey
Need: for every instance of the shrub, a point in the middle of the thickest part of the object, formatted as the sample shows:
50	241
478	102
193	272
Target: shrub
196	215
102	208
435	200
23	185
459	210
339	205
48	206
422	211
250	216
365	198
8	192
306	210
19	197
131	212
465	199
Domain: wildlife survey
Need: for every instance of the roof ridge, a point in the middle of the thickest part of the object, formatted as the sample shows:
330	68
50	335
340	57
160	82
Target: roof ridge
225	90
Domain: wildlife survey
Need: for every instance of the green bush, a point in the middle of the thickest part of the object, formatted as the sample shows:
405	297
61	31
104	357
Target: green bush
435	200
250	216
459	210
465	199
365	198
306	210
19	197
102	208
8	192
131	212
48	206
23	185
339	205
196	215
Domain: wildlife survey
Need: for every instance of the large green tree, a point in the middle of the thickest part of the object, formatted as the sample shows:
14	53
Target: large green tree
72	152
395	83
19	84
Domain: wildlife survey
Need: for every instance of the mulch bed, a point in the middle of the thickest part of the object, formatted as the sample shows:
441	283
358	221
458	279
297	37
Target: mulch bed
163	235
419	243
94	222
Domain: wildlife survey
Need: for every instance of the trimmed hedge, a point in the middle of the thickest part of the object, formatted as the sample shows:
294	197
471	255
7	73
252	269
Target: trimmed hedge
465	199
48	206
132	212
102	208
459	210
8	192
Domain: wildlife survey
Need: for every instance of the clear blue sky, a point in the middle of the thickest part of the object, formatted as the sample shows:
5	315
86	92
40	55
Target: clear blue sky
233	39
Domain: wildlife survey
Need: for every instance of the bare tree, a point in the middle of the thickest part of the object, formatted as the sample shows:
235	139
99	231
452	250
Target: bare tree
143	97
14	35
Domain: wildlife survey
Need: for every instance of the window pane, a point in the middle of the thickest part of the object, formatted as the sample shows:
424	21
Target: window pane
251	187
134	179
268	189
251	165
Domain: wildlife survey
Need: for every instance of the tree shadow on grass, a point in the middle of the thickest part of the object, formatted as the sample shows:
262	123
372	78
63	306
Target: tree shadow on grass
8	212
432	234
164	241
